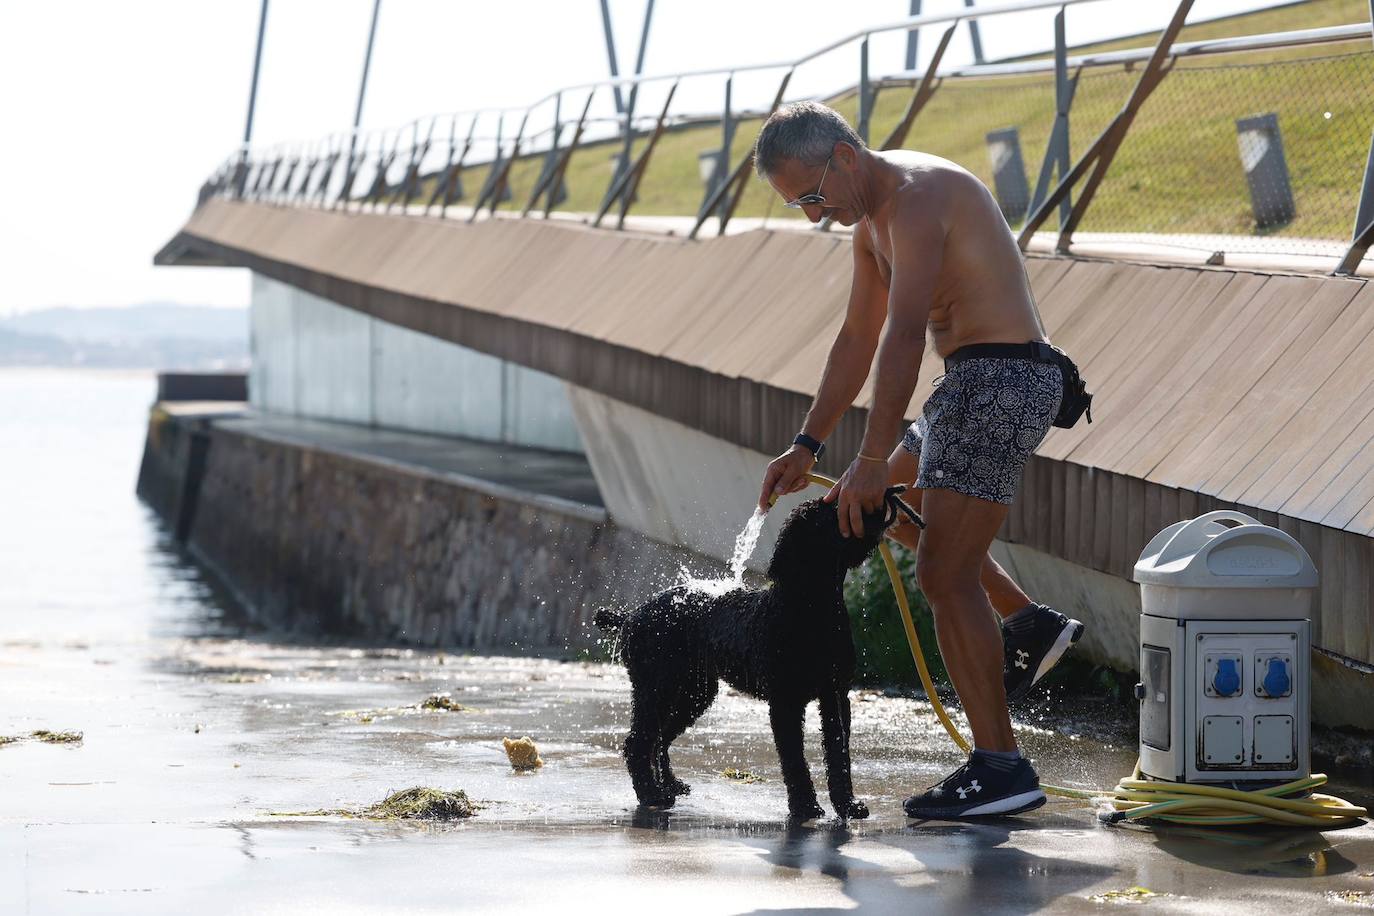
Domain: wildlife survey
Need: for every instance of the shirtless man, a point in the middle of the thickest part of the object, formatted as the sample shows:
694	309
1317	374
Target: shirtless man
932	250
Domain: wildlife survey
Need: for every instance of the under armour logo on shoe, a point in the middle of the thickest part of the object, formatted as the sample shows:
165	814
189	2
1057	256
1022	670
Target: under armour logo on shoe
1021	656
971	787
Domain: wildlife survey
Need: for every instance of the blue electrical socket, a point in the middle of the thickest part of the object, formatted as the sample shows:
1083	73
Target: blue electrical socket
1226	682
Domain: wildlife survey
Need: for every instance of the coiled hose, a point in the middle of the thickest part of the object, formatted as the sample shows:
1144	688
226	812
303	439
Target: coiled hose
1292	804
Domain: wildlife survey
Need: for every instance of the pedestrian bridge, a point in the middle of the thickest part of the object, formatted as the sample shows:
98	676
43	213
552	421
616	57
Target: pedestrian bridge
680	366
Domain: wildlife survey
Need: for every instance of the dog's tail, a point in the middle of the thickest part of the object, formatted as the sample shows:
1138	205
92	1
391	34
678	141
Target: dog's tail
608	621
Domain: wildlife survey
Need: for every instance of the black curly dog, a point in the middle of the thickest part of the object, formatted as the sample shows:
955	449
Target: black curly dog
788	643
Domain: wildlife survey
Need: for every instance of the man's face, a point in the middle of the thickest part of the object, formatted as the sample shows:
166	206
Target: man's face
793	179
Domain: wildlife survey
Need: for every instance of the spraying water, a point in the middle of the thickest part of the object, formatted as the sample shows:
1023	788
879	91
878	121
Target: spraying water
745	542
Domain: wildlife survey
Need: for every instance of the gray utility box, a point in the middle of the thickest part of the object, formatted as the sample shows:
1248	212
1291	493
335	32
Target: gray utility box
1225	652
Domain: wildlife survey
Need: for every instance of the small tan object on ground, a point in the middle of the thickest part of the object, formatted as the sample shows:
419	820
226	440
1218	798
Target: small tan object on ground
523	754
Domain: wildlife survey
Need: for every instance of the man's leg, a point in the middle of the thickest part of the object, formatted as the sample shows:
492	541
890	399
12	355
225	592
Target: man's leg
996	779
1003	593
948	567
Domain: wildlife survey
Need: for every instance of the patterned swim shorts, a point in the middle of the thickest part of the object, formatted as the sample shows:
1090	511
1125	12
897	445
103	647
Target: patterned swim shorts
982	422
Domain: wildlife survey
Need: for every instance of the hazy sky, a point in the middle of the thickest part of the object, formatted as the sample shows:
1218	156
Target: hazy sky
114	112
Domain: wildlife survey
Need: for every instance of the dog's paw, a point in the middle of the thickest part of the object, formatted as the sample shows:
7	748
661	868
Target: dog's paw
805	811
678	787
658	802
853	809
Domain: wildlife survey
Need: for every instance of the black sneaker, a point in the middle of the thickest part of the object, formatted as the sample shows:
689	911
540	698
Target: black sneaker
1034	649
977	789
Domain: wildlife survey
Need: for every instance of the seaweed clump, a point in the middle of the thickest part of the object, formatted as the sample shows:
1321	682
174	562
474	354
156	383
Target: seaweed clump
441	702
51	737
424	804
741	775
415	804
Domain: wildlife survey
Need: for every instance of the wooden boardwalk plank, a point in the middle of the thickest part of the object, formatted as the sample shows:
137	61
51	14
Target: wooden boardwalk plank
1112	373
1193	460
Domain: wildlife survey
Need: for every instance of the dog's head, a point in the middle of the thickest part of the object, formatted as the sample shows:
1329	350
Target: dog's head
810	541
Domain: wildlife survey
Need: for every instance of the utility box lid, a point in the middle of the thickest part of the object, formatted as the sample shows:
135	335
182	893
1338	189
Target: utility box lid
1225	564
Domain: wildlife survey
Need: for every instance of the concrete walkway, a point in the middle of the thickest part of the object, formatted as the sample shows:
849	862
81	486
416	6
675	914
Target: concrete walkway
530	471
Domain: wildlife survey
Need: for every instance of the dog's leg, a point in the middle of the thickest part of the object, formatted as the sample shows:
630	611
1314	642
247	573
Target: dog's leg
694	702
835	737
641	752
786	719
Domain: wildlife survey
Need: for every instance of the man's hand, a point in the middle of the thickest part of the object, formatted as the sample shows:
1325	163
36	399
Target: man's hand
860	490
786	474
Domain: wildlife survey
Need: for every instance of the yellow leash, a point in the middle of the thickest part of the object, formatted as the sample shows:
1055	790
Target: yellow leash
1135	797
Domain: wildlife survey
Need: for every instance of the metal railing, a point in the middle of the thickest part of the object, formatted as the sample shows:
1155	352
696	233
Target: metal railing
1296	198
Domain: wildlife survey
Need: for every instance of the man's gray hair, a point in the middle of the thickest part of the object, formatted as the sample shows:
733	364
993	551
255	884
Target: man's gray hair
804	131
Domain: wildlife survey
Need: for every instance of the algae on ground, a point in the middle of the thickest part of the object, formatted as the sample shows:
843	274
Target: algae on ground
1126	895
51	737
441	702
422	803
418	803
741	775
1358	898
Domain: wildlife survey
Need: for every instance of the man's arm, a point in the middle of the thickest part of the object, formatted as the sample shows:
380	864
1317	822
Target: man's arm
846	369
918	239
851	355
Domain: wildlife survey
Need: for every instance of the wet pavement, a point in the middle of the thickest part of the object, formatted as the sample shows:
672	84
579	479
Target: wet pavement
199	747
199	735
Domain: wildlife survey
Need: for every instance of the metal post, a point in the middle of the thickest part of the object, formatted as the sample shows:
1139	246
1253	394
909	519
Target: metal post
924	90
242	172
1103	149
1057	149
625	189
727	134
452	186
556	192
913	37
974	36
865	101
610	53
1363	233
362	86
738	177
553	179
500	189
623	162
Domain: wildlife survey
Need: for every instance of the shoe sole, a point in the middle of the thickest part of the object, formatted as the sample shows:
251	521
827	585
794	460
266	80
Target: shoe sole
1002	807
1067	637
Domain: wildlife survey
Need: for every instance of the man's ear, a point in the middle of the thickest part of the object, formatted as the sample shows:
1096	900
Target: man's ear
845	154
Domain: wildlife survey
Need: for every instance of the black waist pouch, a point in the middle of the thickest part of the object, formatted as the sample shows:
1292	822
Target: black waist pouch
1077	400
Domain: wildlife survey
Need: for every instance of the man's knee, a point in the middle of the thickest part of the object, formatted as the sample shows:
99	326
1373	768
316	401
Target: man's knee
944	577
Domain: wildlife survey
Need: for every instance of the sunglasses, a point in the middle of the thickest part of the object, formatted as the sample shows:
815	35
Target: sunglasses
810	200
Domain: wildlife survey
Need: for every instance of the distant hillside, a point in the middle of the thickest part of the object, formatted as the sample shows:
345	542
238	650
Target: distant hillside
151	321
151	336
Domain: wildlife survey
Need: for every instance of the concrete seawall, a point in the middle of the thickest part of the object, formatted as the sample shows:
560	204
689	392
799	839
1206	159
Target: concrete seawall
316	539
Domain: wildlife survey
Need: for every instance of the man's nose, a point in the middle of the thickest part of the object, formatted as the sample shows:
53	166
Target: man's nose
813	213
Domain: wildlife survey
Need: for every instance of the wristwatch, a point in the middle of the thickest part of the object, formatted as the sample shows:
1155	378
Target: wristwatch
816	447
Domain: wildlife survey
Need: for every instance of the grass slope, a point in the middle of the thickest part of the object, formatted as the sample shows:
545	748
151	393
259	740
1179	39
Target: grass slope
1178	171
